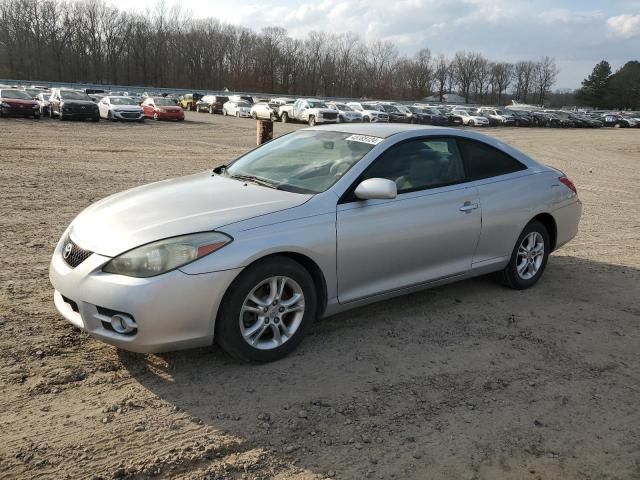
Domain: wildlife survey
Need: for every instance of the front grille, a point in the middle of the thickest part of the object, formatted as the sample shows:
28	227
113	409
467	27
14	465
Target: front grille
130	114
73	255
330	115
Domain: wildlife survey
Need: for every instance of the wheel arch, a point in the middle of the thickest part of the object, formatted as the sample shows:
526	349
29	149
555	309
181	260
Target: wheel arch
307	263
550	224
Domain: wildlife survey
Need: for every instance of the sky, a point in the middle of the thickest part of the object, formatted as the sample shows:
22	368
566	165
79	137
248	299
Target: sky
577	33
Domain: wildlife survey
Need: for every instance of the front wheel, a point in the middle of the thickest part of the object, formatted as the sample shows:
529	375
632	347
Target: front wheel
155	116
472	123
312	120
529	257
267	310
284	117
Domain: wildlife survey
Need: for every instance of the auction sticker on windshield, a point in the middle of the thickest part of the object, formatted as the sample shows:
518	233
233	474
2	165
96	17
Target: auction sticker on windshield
364	139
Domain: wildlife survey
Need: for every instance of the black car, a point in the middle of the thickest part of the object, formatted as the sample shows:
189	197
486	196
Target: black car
395	115
435	116
493	122
419	115
71	104
521	118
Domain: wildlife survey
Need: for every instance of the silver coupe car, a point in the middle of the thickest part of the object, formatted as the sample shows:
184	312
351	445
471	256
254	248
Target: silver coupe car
308	225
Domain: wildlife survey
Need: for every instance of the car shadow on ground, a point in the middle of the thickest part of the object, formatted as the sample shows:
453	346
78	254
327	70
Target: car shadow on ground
448	344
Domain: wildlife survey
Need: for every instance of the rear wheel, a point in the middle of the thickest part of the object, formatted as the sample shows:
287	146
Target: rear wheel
237	114
254	116
312	120
472	123
366	119
284	117
529	258
266	310
155	116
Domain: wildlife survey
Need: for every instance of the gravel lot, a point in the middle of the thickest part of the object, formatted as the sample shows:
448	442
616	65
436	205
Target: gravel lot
467	381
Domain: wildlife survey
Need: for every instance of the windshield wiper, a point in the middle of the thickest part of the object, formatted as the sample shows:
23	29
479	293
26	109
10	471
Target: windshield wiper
253	179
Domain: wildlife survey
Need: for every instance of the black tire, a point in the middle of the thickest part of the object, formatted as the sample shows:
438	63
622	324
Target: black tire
510	277
284	117
61	115
95	119
227	332
312	120
36	116
472	123
254	116
366	119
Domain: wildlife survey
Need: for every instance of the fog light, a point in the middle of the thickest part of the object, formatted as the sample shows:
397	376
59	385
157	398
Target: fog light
122	323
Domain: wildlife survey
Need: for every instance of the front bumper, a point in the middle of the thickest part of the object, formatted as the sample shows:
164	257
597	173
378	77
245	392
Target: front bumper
127	116
80	115
172	311
20	111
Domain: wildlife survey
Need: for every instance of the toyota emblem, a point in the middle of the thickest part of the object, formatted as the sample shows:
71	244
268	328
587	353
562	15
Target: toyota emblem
66	253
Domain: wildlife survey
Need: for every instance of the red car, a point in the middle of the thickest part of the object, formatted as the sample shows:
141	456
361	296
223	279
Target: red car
17	103
161	108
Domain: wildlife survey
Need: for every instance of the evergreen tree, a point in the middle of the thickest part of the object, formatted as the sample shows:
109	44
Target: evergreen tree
624	89
595	87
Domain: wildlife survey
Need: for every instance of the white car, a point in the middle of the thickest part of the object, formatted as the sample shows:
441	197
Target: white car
237	109
264	111
369	111
346	114
117	108
470	119
503	117
43	103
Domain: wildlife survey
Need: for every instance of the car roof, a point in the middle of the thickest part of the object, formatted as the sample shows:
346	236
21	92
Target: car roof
383	130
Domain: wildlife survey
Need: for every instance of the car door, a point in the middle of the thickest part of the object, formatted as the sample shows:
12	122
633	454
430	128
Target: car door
103	106
428	232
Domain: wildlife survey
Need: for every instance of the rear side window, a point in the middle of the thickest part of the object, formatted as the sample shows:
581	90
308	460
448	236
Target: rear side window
483	161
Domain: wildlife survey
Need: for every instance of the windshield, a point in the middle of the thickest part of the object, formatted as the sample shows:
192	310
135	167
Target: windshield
388	108
74	96
32	91
307	161
317	105
343	107
243	104
402	108
370	106
122	101
165	102
19	94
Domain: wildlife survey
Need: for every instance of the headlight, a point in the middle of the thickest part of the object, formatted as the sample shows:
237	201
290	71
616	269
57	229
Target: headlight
165	255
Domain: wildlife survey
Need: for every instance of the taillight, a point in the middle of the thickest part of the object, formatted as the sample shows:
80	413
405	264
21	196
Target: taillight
568	183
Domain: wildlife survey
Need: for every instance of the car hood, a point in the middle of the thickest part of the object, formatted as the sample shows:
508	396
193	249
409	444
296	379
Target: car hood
125	108
169	108
18	101
86	103
196	203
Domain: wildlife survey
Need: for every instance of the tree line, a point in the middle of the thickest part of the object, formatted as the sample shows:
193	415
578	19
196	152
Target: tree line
94	42
604	89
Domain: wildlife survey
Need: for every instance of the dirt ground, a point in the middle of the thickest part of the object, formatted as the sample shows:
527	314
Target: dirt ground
467	381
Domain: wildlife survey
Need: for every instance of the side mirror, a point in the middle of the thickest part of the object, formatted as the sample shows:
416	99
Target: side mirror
376	188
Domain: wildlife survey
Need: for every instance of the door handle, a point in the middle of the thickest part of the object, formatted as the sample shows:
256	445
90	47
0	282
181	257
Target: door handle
468	207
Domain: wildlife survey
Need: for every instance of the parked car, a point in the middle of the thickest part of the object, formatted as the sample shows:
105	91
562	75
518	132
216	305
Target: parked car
18	103
493	121
72	105
521	118
346	114
395	115
308	110
242	98
434	116
264	111
188	100
237	108
502	117
311	224
370	112
120	108
162	108
470	119
282	100
43	103
211	103
418	115
617	121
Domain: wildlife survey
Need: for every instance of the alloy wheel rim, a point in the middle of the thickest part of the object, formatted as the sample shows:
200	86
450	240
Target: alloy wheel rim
272	313
530	255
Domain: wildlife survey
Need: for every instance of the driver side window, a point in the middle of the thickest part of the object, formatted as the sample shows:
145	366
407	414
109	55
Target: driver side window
420	165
